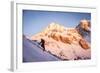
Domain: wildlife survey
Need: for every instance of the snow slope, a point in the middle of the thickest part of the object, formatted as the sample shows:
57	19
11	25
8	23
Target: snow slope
32	52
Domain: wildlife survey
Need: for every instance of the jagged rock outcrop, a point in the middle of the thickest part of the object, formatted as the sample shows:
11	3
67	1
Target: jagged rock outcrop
84	44
84	29
66	43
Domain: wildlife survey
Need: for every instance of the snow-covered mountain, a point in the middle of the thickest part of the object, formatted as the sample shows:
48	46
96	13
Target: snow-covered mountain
62	42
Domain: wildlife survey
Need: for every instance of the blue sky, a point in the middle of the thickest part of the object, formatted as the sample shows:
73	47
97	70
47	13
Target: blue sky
34	21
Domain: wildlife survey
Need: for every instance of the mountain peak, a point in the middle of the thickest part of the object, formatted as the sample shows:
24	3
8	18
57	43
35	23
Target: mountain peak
55	27
53	24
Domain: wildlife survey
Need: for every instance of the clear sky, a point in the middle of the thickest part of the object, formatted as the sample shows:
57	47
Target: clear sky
34	21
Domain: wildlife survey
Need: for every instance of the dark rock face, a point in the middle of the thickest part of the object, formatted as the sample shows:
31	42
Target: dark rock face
84	28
